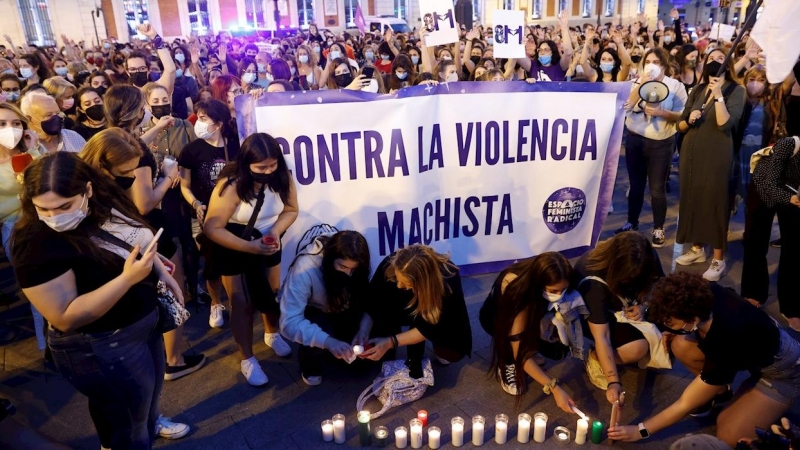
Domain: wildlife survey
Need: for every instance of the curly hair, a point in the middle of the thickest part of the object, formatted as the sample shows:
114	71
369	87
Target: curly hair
681	296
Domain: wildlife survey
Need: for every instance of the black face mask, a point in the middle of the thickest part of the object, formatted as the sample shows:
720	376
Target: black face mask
101	90
343	80
475	59
125	182
95	112
160	111
139	79
53	125
263	178
636	58
118	61
679	331
712	68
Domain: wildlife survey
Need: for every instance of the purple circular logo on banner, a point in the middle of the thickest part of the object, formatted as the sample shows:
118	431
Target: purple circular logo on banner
564	209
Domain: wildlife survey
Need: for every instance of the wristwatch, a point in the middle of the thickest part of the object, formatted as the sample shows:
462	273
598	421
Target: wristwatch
643	431
721	100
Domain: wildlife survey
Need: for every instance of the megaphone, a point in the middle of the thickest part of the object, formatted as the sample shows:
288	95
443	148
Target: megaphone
653	92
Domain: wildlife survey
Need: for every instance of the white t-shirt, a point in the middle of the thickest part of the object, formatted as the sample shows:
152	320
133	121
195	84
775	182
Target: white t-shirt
270	210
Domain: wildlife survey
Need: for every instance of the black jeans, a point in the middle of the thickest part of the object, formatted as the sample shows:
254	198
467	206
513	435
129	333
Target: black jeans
648	159
341	326
757	231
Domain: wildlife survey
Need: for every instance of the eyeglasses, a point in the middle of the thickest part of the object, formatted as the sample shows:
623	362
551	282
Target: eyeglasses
137	69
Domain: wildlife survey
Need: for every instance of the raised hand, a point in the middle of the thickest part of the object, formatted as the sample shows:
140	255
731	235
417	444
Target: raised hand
195	52
147	30
674	14
642	18
473	34
563	19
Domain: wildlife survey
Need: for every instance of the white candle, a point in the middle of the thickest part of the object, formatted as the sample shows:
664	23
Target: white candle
524	429
338	429
416	433
400	437
477	430
501	428
540	427
358	349
580	434
327	430
458	431
434	438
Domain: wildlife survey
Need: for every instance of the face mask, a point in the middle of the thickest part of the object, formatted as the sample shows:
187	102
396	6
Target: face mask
293	70
652	70
682	331
146	117
371	87
139	79
269	77
154	76
10	71
667	39
636	58
755	88
106	46
67	221
316	49
90	59
545	60
99	62
62	71
415	60
261	67
691	63
385	57
101	90
250	77
452	78
712	68
160	111
490	41
370	55
201	130
178	73
26	72
553	298
475	59
263	178
12	96
446	58
180	57
303	59
343	80
335	54
10	137
68	103
53	125
118	61
607	67
124	182
95	112
401	76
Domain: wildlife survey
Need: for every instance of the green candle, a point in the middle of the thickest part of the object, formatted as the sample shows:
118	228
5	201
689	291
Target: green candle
365	437
597	432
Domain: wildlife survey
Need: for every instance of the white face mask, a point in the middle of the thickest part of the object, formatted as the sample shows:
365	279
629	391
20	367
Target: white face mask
553	298
248	78
66	221
201	130
653	71
10	137
452	78
268	76
371	87
26	72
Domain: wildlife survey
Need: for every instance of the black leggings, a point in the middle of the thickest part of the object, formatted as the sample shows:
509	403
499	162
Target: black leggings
648	159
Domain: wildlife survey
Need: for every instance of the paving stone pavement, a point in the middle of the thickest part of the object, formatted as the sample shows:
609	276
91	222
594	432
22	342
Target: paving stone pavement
226	413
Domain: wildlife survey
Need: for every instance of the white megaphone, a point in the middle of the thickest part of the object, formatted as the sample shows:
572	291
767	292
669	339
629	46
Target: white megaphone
653	93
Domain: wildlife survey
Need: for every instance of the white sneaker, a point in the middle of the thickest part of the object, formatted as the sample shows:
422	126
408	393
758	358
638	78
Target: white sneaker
508	379
215	320
694	255
277	343
253	373
715	271
168	429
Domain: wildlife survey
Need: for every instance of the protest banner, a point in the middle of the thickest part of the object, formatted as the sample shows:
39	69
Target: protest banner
488	172
509	33
439	20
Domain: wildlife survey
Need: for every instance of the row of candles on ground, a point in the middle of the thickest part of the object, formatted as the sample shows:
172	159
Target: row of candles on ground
334	430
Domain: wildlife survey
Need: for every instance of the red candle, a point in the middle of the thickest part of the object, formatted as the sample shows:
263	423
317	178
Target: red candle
422	415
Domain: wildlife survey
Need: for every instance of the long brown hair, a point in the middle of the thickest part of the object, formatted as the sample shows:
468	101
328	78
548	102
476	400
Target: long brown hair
123	105
110	148
626	263
21	146
427	271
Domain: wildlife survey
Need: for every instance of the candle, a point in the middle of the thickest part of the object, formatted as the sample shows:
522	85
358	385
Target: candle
364	434
358	349
561	435
580	434
477	430
539	427
457	426
501	428
597	431
416	433
434	437
338	429
327	430
381	436
422	415
400	437
523	428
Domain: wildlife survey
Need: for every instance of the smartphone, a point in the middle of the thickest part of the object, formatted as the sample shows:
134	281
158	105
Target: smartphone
368	72
153	243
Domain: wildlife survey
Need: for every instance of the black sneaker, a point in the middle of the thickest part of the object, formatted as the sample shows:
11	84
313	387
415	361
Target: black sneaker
776	243
716	402
508	379
311	372
192	363
658	237
628	227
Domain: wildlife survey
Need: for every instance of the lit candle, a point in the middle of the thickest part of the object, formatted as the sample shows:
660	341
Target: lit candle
597	432
422	415
501	428
338	429
524	428
580	434
327	430
457	426
381	436
434	437
358	349
539	427
416	433
561	435
364	434
400	437
477	430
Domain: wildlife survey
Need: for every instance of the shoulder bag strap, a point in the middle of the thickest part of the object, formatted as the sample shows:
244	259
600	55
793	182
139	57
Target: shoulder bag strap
111	239
251	223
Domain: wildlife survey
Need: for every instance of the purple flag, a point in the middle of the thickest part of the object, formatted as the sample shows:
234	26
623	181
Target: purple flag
359	19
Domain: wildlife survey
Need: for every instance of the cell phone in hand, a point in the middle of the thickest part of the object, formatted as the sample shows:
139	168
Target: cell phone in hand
368	72
153	243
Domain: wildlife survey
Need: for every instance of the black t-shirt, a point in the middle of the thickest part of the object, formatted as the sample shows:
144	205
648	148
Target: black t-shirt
87	132
599	299
206	162
179	107
51	255
741	337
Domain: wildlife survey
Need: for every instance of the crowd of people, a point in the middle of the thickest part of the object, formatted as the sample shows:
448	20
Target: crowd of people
103	146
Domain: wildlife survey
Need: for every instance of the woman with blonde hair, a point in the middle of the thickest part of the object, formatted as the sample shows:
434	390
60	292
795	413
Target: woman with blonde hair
308	66
421	289
63	91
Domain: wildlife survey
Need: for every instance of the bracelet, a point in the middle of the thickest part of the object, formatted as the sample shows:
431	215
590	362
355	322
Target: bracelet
158	42
196	204
548	388
615	382
395	344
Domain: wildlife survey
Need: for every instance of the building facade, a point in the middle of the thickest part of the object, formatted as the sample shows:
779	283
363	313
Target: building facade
43	22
